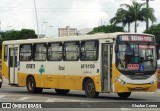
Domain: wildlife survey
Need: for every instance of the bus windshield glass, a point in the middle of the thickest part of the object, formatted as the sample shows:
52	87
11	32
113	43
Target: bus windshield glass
136	56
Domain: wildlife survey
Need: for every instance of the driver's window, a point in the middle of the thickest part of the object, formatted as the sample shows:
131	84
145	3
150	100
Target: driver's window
149	54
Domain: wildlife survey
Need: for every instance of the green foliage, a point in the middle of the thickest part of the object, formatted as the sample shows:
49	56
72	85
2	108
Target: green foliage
16	35
27	33
154	30
122	16
107	29
133	13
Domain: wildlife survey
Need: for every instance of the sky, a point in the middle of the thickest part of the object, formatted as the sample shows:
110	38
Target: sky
54	14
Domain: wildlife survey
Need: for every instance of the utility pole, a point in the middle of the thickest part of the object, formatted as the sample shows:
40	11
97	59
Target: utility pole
36	18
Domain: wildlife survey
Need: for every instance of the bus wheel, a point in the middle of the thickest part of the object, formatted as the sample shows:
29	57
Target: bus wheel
31	85
62	91
90	89
0	84
39	90
124	95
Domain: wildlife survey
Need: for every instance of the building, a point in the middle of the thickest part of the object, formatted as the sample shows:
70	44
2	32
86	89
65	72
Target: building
67	31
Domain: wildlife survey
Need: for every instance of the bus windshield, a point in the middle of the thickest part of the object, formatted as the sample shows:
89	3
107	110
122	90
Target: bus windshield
136	57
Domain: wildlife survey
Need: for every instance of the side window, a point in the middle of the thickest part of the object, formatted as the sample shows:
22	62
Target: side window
54	51
71	51
25	52
5	52
89	50
40	52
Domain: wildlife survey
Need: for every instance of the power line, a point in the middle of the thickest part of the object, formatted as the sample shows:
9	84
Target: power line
62	10
57	9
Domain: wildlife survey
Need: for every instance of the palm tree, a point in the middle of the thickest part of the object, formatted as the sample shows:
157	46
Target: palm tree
149	14
122	16
134	13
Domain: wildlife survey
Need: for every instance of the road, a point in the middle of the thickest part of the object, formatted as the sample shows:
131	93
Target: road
20	94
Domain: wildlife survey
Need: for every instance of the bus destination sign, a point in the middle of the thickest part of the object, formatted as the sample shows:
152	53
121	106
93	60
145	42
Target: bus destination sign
136	38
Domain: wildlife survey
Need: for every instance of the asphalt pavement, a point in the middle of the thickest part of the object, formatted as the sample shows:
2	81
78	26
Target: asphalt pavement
19	94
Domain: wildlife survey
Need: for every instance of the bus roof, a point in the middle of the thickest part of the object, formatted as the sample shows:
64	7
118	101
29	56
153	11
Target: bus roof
71	38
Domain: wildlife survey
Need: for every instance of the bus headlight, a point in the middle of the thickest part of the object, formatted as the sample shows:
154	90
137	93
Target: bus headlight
119	80
154	81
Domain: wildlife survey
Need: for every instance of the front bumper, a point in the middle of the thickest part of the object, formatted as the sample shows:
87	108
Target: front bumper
135	87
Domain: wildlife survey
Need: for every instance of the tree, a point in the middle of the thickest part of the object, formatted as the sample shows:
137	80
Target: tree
136	11
122	16
107	29
149	15
133	13
16	35
154	30
27	33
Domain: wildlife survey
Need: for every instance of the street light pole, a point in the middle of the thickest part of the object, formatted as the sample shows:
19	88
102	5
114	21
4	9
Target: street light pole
36	18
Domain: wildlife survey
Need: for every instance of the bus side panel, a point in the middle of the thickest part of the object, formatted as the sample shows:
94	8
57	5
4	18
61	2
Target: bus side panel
97	82
22	79
58	81
5	74
53	77
71	82
74	82
50	81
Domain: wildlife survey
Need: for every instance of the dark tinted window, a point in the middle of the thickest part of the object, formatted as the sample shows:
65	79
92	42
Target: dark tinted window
40	52
71	51
25	52
89	50
55	51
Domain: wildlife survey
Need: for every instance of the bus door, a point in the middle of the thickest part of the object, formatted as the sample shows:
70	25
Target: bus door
106	67
13	54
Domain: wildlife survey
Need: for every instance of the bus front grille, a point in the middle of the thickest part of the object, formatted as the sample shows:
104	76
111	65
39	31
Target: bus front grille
138	77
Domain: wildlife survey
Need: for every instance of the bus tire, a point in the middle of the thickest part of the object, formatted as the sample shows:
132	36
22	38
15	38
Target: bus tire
31	85
124	95
39	90
90	89
0	84
62	91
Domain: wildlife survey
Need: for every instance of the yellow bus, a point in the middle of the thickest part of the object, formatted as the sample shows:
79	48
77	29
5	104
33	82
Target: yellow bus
100	63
